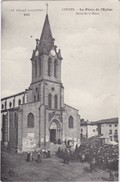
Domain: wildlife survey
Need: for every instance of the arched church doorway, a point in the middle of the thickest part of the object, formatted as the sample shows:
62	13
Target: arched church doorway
52	135
55	131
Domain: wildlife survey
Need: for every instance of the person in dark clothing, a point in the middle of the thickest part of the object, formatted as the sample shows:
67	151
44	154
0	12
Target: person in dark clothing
76	153
92	164
66	156
65	142
58	153
76	149
48	154
111	177
39	158
28	157
68	143
31	157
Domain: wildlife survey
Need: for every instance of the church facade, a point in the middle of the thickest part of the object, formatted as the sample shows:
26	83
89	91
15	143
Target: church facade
38	116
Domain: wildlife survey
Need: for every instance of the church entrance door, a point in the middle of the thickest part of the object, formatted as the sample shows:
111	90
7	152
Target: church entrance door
52	135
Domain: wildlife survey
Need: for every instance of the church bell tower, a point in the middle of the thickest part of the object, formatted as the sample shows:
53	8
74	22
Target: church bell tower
46	60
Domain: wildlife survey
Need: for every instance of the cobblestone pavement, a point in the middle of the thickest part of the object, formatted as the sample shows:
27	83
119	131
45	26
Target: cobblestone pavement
15	168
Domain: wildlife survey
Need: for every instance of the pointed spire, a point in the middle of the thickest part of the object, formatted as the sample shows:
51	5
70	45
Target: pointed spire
46	39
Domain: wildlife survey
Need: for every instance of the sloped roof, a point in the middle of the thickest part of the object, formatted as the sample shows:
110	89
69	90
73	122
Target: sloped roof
106	121
103	121
14	95
84	123
66	105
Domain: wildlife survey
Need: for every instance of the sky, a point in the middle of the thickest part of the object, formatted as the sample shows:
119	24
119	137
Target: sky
89	43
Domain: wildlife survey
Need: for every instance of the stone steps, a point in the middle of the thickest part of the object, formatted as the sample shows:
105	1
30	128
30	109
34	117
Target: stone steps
54	147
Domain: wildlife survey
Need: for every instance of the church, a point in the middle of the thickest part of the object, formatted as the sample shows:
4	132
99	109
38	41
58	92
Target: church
38	116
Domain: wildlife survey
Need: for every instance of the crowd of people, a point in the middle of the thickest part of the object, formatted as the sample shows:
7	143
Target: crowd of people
97	155
41	154
106	156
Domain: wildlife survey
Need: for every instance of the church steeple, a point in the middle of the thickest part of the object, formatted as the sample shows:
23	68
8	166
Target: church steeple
46	59
46	40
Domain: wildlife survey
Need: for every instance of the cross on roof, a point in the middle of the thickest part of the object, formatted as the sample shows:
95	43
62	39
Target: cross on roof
46	8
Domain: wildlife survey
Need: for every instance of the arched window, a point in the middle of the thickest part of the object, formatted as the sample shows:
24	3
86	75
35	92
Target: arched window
2	106
19	102
3	127
5	104
56	101
35	68
70	122
39	67
55	68
34	98
10	104
30	120
50	100
49	67
23	99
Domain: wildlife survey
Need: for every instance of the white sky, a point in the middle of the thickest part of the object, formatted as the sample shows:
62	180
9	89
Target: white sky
89	46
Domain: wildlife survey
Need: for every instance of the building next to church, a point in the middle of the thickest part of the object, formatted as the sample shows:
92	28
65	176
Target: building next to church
108	128
88	129
38	116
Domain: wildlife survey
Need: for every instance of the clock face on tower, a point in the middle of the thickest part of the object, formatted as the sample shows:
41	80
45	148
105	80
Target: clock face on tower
37	53
52	52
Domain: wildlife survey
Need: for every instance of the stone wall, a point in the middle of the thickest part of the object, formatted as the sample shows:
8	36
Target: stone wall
13	130
71	133
4	127
28	137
